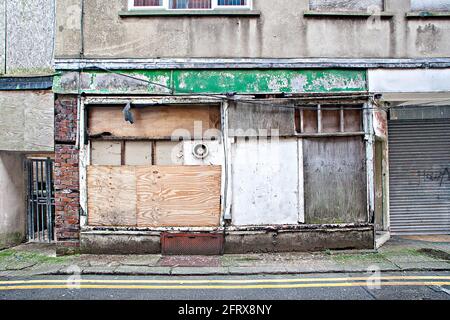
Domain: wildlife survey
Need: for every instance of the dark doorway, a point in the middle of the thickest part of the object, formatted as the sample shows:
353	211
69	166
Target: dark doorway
40	200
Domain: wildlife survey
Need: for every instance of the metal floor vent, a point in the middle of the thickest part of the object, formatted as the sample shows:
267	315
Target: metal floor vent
192	243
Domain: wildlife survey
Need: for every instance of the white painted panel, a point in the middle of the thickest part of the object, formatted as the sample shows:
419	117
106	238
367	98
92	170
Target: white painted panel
409	80
138	153
169	153
265	182
107	153
215	155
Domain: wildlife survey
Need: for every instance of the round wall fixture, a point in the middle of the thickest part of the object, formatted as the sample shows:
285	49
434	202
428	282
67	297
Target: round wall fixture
200	151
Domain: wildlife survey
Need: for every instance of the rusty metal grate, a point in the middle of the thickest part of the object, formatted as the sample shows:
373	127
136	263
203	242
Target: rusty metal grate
192	243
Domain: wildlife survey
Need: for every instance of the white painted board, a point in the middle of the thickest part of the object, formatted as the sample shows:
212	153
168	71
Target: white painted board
265	182
410	80
215	155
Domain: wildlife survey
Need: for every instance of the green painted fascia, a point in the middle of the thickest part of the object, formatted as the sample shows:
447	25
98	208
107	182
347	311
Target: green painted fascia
264	81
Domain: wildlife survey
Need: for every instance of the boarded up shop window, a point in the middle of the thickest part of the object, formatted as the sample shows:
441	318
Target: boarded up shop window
334	180
430	5
346	5
139	177
156	136
328	119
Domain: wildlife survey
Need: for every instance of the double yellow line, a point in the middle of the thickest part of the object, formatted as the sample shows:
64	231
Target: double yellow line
224	284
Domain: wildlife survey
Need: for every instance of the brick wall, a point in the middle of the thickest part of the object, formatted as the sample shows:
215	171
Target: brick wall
67	187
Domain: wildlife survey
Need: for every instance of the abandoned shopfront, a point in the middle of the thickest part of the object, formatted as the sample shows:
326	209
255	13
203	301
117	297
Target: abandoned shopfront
213	161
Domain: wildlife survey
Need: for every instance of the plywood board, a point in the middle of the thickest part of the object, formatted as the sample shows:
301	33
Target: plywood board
154	122
353	120
331	120
27	121
138	153
265	182
106	153
111	195
178	196
335	180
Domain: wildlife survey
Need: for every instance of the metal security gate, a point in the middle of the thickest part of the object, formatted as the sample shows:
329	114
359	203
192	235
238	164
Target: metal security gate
41	200
419	170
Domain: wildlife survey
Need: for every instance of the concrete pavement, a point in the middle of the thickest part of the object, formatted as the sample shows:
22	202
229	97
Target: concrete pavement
399	254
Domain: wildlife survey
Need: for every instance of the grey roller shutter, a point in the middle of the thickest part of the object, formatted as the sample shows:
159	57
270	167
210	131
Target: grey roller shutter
419	170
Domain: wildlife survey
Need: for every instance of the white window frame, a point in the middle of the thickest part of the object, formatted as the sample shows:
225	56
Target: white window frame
214	6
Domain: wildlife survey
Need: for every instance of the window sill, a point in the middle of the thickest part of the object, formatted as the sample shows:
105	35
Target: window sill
189	13
346	14
427	15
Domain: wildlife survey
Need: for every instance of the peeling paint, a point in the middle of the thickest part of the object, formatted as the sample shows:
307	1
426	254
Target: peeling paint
246	81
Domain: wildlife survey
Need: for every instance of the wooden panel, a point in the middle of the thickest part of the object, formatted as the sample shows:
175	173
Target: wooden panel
310	123
353	121
250	120
330	120
138	153
111	196
335	180
106	153
168	153
265	182
153	122
178	196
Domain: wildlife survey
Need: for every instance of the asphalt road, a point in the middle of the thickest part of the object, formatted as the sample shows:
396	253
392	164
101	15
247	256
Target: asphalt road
395	286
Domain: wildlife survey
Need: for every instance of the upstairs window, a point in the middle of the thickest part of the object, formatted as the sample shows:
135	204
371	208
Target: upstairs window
430	5
346	5
188	4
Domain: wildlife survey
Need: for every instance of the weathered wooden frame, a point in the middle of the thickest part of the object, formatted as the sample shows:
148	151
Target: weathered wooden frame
84	145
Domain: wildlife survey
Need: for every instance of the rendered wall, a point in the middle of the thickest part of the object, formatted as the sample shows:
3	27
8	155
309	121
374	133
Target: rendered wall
281	31
12	199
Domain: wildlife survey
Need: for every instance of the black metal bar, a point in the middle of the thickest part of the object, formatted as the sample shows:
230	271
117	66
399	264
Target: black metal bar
36	166
49	205
40	200
31	182
42	196
52	180
28	200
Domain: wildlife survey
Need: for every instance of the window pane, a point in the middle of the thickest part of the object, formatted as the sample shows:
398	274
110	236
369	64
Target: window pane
232	2
345	5
148	3
433	5
190	4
